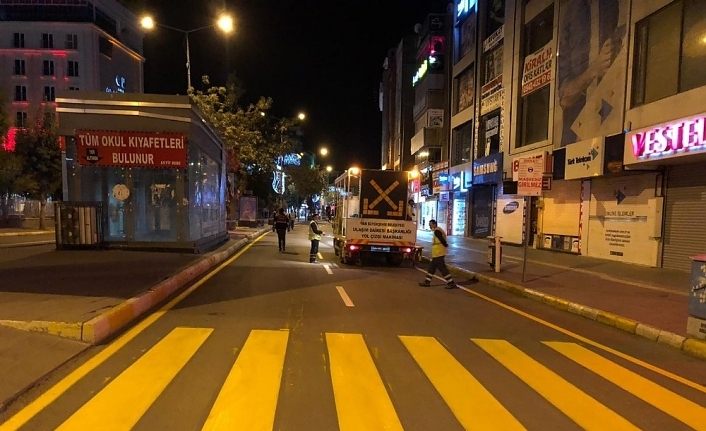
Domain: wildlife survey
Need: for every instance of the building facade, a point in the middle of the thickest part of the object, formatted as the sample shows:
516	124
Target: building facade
49	46
609	94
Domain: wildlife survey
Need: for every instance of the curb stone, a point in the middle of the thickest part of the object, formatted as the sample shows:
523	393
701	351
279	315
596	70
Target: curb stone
691	346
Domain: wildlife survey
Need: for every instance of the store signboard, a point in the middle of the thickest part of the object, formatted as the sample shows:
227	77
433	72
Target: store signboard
537	70
131	149
494	39
488	170
529	176
541	155
491	95
680	138
584	159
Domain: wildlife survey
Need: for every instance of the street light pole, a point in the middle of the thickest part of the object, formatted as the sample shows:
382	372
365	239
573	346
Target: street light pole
188	62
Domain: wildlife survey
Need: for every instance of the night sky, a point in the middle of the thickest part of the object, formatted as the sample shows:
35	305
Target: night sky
322	57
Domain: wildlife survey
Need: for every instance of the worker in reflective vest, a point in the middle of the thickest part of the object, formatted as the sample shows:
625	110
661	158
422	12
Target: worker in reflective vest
438	254
314	236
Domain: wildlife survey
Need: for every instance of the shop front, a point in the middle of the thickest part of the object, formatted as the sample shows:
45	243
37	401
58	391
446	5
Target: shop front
678	148
459	199
440	189
487	174
151	163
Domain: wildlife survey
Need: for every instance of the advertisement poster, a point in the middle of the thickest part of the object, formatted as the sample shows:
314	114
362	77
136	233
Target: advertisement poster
537	70
491	96
248	208
590	92
131	149
459	217
466	89
529	176
510	219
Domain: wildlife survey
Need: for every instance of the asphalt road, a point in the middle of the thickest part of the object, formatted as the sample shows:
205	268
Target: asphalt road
273	342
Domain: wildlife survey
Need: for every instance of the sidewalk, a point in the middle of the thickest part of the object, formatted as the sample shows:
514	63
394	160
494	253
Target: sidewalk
83	297
651	302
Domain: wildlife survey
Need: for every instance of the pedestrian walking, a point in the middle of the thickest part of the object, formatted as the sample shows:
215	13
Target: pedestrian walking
438	255
281	225
314	236
291	221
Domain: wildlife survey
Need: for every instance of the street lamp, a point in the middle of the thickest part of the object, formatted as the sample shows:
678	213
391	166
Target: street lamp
301	116
224	23
329	169
323	151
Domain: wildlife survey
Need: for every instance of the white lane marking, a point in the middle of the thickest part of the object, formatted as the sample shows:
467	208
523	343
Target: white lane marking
425	272
319	255
344	296
328	269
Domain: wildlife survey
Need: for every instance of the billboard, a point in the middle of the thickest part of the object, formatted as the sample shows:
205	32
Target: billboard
131	149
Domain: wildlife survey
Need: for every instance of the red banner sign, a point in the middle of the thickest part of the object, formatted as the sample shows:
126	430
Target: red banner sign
131	149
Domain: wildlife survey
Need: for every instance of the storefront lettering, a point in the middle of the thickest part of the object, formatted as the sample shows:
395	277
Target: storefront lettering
124	148
486	168
681	136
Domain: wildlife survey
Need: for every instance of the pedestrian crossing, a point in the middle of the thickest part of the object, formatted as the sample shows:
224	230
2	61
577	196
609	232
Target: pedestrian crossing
249	395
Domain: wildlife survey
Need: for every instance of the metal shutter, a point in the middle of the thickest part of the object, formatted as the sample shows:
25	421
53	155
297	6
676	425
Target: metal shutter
684	233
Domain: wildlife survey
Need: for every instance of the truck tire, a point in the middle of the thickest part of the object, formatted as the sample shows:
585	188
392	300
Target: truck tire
395	259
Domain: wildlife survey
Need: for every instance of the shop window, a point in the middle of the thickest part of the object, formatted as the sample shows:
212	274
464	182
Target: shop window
47	40
489	135
492	64
71	41
462	142
20	67
670	53
49	94
465	89
20	93
495	16
21	119
72	68
534	103
18	40
466	37
48	68
155	204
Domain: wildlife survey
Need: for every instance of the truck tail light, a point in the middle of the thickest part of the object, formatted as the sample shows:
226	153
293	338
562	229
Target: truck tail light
407	250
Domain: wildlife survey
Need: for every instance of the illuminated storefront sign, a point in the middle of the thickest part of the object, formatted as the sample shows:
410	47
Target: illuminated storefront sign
420	72
678	138
131	149
119	85
464	6
292	159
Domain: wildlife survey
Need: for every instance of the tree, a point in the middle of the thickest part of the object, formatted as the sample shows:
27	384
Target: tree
10	171
40	156
304	181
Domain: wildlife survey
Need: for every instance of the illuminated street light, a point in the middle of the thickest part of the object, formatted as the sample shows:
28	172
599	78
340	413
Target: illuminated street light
301	116
414	173
354	170
323	151
224	23
329	169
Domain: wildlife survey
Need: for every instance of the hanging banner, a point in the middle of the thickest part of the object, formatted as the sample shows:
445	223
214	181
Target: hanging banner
537	70
131	149
491	96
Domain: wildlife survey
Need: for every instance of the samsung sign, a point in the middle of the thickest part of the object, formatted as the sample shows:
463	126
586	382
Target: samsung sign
464	6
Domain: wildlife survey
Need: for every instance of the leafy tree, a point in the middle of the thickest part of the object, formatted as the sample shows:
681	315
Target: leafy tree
304	181
10	171
40	155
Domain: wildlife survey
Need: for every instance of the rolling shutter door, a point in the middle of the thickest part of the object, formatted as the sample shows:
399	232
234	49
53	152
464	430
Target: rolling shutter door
684	233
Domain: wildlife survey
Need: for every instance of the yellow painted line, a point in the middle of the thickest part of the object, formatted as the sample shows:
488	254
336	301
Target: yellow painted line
472	404
124	400
248	398
583	409
362	403
48	397
674	405
634	360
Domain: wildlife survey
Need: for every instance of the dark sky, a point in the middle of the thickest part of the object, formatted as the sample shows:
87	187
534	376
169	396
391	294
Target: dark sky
322	57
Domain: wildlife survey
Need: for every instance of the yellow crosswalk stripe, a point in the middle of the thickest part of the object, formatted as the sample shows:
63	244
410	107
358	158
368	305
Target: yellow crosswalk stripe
470	402
362	402
124	400
674	405
248	398
576	404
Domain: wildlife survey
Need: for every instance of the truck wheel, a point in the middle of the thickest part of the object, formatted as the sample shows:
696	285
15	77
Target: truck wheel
344	259
395	259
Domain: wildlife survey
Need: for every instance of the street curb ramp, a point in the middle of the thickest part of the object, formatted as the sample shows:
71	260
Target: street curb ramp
691	346
106	324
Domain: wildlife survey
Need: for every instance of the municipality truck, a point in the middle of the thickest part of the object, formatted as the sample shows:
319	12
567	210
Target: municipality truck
371	217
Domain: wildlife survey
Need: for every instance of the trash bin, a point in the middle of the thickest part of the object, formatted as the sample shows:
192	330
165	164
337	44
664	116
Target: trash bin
696	322
495	252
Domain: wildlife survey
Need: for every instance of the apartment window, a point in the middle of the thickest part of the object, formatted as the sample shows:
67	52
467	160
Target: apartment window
670	53
20	67
465	89
47	40
72	68
49	95
20	93
533	105
488	135
462	143
18	40
493	64
105	47
466	37
48	68
21	119
71	41
495	16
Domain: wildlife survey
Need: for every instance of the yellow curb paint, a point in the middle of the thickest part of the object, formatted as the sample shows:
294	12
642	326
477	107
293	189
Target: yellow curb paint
472	404
138	387
669	402
695	347
48	397
248	398
68	330
362	402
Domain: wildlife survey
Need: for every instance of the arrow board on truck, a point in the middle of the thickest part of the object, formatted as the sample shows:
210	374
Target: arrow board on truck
383	194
